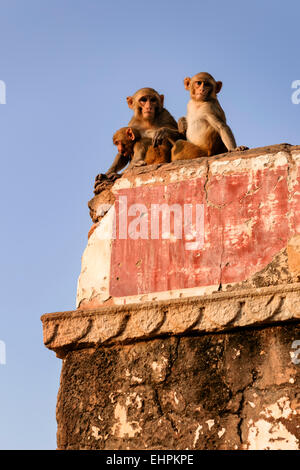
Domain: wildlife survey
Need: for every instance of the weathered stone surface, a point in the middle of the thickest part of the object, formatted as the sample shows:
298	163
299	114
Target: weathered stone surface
238	390
100	204
217	312
293	250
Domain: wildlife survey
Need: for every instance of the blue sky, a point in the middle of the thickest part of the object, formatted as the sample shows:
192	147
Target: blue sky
68	66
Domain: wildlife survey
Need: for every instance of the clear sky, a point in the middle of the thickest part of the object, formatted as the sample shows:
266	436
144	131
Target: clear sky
68	66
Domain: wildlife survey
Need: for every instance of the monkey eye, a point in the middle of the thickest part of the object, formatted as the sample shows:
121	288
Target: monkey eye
153	100
204	83
143	99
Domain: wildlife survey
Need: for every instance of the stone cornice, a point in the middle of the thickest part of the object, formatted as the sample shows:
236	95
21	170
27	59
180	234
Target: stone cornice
221	311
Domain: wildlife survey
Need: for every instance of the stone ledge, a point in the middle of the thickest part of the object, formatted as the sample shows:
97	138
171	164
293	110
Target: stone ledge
163	169
218	312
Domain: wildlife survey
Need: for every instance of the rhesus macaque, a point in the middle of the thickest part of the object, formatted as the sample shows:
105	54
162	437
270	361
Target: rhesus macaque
126	140
159	154
155	124
205	124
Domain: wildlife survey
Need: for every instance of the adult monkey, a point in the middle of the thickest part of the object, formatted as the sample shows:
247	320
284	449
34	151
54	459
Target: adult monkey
154	123
205	124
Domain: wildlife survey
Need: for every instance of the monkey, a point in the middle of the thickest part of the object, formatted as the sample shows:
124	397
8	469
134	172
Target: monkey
155	125
205	126
127	138
159	154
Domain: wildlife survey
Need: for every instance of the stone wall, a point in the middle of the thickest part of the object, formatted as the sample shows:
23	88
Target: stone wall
183	341
237	390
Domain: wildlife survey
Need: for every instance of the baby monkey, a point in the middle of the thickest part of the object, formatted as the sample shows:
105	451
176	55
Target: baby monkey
126	138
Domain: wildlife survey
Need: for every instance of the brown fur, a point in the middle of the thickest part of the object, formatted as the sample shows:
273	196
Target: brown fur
159	154
154	155
205	123
184	150
155	125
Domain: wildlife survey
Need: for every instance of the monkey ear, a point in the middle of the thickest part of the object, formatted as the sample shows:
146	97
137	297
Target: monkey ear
218	86
187	82
130	133
130	102
162	97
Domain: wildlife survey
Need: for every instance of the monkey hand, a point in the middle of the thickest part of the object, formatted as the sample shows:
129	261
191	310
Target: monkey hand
112	175
134	164
182	125
160	135
138	163
100	177
241	148
103	181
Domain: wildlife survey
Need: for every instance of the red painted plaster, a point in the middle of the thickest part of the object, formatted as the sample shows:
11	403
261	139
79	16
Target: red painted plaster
245	225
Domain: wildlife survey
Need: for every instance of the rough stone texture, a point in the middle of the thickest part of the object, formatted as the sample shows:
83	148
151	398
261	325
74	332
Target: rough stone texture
238	390
100	204
218	312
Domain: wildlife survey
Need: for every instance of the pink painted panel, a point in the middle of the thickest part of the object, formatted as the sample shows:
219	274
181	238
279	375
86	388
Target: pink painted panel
245	225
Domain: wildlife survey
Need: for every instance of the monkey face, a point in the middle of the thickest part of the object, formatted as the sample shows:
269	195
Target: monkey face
202	87
146	103
124	148
124	141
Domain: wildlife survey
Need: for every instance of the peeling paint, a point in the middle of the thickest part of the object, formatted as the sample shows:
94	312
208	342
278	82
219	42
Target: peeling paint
280	409
95	433
271	433
264	435
123	427
210	423
197	434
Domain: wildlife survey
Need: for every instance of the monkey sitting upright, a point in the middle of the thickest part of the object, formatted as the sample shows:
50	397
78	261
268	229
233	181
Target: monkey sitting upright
205	124
154	123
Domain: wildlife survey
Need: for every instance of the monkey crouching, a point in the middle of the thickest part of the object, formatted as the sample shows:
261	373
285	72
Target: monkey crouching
129	141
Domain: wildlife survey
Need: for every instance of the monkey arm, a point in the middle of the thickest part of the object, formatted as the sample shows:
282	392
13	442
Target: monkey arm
182	125
227	137
139	153
223	129
166	133
118	164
